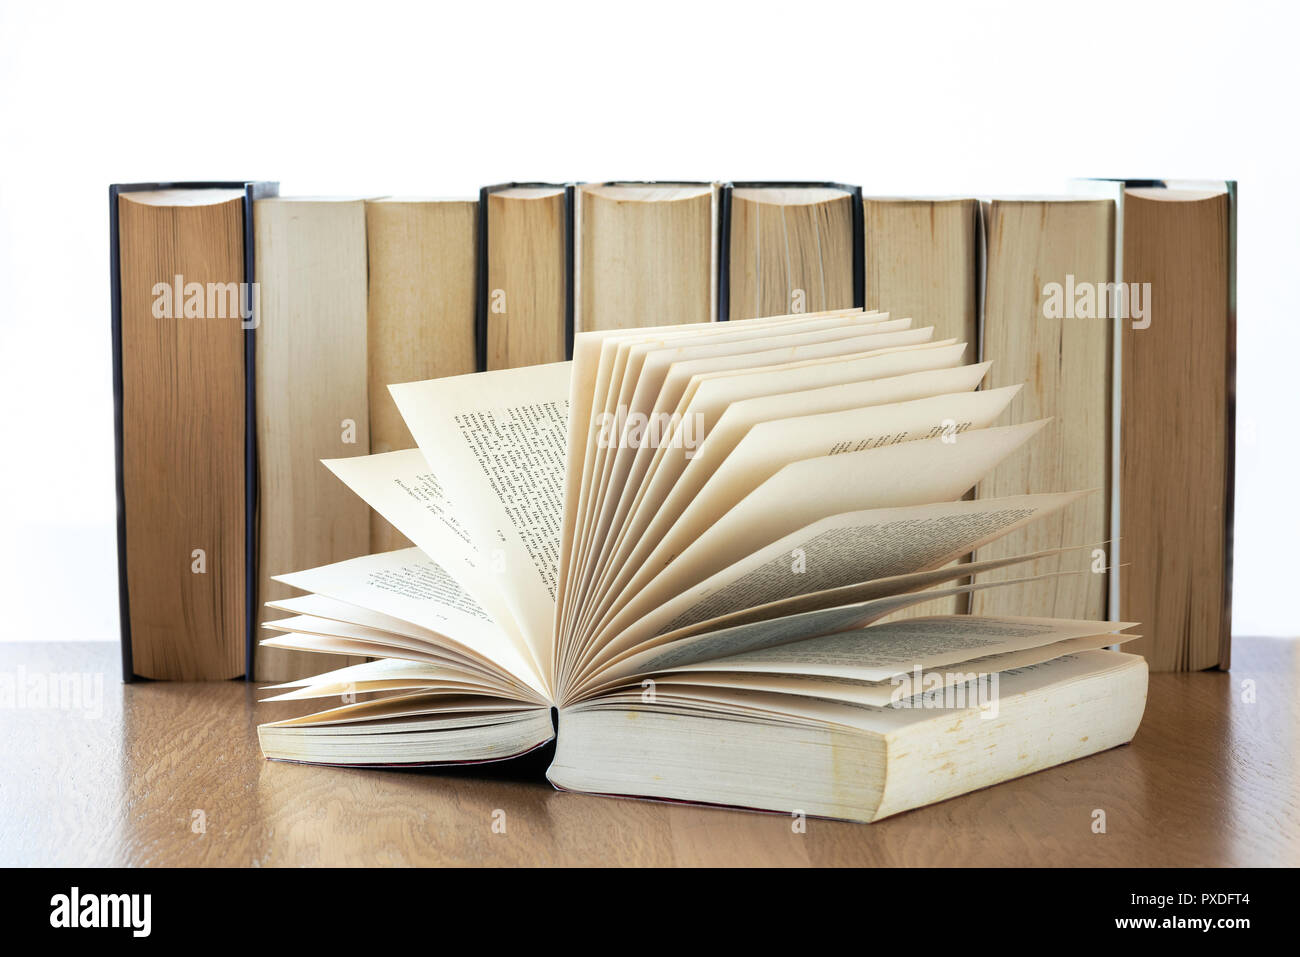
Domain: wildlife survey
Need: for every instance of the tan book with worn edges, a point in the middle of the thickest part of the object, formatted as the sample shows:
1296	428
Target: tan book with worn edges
645	254
525	297
312	398
1046	324
683	544
421	311
789	248
1173	412
1177	369
182	269
923	259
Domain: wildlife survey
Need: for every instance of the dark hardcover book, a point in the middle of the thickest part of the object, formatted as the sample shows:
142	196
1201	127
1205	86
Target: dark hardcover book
1174	375
183	307
524	308
789	247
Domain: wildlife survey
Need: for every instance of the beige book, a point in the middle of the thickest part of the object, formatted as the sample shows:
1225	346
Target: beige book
311	396
748	659
1175	421
1049	270
183	431
527	286
923	260
420	311
790	250
646	255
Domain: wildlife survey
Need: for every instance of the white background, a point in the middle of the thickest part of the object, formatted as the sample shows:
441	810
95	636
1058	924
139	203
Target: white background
375	98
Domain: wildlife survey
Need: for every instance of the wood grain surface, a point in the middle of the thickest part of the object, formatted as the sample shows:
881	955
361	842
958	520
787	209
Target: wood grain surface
1211	779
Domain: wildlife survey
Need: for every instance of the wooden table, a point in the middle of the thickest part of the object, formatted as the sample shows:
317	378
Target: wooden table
1210	779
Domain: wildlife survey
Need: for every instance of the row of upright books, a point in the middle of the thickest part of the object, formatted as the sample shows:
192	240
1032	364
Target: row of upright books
255	335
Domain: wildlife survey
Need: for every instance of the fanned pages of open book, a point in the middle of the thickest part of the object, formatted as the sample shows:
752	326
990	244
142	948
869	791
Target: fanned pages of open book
674	556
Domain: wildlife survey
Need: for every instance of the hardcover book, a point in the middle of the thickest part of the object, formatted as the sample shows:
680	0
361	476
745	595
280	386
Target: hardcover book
312	397
923	258
525	275
1046	324
645	254
1173	415
182	268
421	311
672	557
789	248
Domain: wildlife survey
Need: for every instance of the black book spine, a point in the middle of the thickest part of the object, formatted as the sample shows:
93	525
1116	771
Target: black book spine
115	287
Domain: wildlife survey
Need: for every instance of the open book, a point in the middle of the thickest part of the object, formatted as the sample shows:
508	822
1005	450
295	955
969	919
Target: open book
683	556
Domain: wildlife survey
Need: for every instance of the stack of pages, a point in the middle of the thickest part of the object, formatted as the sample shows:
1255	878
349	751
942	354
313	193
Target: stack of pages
687	556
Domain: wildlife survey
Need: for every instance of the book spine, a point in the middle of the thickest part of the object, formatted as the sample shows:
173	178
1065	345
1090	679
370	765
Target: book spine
724	253
570	266
252	190
1230	434
859	248
481	280
115	292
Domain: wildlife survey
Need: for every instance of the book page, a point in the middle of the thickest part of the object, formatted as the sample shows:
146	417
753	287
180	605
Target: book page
618	455
650	375
409	585
1018	681
391	674
885	693
712	645
330	645
405	706
811	600
331	609
656	378
435	644
635	540
883	651
593	387
705	402
589	380
770	446
909	474
499	439
402	488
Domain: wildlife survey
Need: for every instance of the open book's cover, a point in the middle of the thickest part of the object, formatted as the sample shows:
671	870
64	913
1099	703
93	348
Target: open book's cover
724	238
481	305
253	190
1113	188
